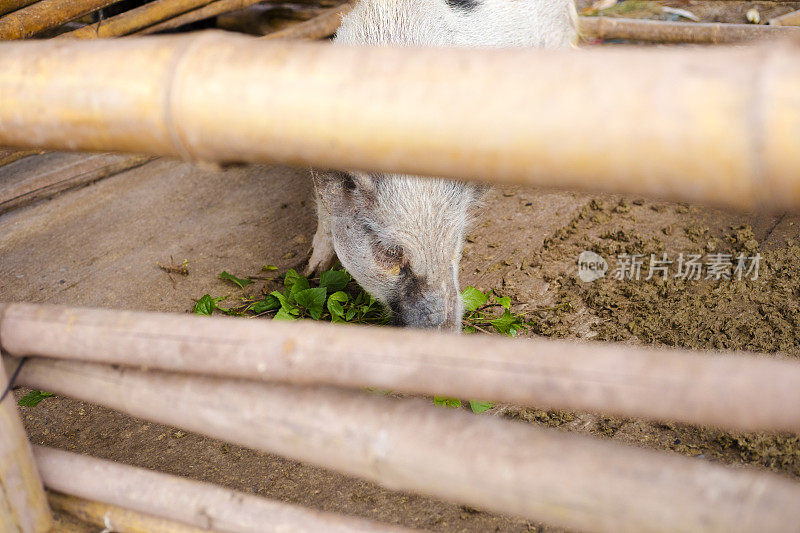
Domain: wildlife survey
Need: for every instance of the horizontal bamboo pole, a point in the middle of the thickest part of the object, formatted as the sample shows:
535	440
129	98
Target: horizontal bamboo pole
116	519
733	391
23	507
7	6
678	32
211	10
718	125
196	504
45	15
135	19
323	25
789	19
569	480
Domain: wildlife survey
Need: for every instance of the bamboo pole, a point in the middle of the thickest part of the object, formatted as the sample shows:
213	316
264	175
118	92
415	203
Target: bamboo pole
211	10
569	480
7	6
719	125
23	507
323	25
44	15
116	519
196	504
9	156
738	391
135	19
677	32
789	19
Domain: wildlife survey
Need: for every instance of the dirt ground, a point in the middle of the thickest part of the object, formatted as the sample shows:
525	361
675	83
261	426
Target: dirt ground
99	245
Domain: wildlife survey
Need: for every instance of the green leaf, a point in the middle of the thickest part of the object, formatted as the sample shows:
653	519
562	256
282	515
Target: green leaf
299	285
334	280
506	324
33	398
350	314
290	278
286	306
269	303
441	401
335	308
268	268
241	283
473	298
313	300
284	315
479	407
205	305
505	301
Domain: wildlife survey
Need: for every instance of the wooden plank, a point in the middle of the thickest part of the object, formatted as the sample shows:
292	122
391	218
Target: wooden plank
44	176
789	19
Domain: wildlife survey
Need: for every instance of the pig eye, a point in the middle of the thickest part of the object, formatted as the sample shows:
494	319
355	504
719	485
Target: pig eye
390	254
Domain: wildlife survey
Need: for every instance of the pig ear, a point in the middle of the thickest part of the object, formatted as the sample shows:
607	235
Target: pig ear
343	191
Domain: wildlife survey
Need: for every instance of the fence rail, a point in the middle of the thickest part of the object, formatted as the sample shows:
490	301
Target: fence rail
713	125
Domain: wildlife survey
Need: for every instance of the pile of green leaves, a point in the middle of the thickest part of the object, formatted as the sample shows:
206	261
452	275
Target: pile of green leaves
338	299
476	306
334	298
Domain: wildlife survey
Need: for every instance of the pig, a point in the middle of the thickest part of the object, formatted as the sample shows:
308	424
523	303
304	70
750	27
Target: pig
401	236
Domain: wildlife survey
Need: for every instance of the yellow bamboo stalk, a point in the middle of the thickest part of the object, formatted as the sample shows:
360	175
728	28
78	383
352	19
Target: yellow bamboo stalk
135	19
23	507
211	10
677	32
44	15
789	19
718	125
117	519
96	482
7	6
323	25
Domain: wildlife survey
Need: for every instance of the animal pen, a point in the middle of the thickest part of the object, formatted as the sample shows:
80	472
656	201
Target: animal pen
722	127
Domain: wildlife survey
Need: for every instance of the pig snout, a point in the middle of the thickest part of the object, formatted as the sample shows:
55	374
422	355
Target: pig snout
440	309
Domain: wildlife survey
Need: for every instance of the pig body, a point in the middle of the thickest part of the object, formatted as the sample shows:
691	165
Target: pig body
401	236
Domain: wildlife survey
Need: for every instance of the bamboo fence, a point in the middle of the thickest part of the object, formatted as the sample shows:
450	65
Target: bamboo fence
7	6
135	19
715	125
86	485
735	391
323	25
576	482
23	507
44	15
678	32
213	9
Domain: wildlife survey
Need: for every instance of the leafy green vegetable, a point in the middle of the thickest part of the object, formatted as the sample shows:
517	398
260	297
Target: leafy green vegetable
33	398
206	305
290	278
479	407
269	303
268	268
334	280
313	300
508	324
335	308
505	301
241	283
473	298
442	401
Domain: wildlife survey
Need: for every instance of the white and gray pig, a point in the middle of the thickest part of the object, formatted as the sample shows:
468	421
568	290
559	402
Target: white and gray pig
401	236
